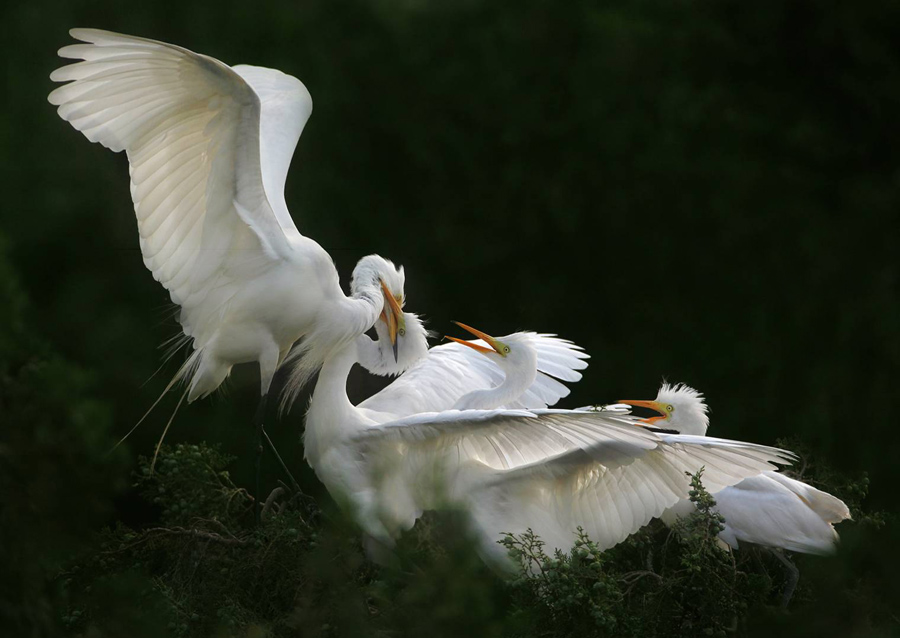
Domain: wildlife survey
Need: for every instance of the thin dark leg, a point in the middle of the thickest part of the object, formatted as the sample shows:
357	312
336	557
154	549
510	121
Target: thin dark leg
284	467
258	424
275	386
793	577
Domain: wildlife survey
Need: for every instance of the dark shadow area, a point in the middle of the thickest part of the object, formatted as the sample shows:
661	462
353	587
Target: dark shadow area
706	192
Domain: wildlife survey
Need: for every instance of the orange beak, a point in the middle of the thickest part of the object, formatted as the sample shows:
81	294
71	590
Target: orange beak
652	405
481	335
393	319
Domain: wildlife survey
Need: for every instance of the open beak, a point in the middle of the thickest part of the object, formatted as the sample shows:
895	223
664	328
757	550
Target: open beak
393	318
481	335
656	406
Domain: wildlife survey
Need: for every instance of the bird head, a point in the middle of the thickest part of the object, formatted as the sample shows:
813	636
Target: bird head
397	356
680	407
512	352
376	275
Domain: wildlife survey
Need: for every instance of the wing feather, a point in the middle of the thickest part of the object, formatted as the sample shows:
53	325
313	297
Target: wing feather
555	470
208	149
452	370
612	488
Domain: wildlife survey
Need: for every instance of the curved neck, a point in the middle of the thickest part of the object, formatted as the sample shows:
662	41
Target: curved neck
331	417
366	303
368	355
339	330
331	388
518	379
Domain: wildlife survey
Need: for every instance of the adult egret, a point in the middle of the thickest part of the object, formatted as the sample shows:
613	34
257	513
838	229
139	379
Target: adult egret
771	509
550	470
209	148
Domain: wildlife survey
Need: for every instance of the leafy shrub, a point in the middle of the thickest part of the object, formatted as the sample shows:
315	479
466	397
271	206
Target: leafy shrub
207	569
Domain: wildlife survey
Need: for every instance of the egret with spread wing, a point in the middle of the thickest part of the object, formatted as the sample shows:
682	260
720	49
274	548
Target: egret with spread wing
208	148
531	375
513	468
444	377
771	509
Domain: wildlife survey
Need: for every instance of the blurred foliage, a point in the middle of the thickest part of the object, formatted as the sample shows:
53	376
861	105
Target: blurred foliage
206	569
706	191
691	587
56	478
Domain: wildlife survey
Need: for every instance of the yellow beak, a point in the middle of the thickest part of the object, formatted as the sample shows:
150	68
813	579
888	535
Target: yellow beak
495	346
393	319
653	405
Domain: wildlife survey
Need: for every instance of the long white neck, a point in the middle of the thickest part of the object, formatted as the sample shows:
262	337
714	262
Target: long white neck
331	416
353	316
518	379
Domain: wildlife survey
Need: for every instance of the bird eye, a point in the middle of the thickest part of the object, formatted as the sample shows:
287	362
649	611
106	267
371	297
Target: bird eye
402	332
505	349
669	408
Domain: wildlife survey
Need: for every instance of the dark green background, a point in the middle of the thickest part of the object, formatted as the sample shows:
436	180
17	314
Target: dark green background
702	191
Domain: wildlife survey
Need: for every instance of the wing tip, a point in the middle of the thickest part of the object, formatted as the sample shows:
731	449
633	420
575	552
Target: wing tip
54	99
91	35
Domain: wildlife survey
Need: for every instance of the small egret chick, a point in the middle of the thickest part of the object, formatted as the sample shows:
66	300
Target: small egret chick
770	509
450	371
516	359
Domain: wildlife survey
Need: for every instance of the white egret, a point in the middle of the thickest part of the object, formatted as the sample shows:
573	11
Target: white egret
550	470
772	510
445	376
450	371
209	148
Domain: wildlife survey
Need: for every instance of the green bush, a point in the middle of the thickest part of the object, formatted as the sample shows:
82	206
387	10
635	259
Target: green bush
205	568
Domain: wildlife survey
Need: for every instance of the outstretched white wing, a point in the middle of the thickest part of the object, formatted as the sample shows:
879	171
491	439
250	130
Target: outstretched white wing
208	148
555	470
452	370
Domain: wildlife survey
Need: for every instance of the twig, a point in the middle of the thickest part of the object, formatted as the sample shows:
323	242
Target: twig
197	533
633	577
270	502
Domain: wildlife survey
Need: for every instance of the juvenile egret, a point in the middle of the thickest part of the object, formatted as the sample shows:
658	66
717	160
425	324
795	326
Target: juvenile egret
450	371
444	376
550	470
771	509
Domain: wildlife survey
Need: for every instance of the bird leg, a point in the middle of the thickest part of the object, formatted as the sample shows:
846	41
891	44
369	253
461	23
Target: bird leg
263	437
258	425
268	374
294	484
793	576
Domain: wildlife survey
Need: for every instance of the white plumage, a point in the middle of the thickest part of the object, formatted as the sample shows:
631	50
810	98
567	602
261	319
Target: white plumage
771	509
440	377
209	148
452	370
551	470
